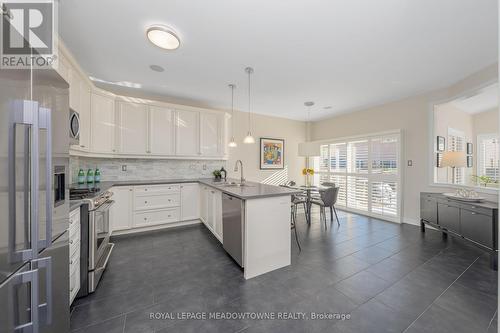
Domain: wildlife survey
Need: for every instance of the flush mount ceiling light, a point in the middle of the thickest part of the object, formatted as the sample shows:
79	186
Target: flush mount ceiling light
156	68
163	37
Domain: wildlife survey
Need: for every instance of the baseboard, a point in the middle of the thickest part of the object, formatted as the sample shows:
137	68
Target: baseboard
411	221
156	227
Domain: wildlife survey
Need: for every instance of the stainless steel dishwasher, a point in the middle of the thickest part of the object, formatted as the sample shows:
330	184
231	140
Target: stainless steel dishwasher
232	227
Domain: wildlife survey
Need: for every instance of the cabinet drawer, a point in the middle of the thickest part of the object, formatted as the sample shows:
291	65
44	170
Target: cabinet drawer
477	227
157	201
156	189
74	217
74	262
74	283
74	231
156	217
428	209
74	247
477	209
449	217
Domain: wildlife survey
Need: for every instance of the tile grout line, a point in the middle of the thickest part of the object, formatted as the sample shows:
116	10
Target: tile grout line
491	320
413	322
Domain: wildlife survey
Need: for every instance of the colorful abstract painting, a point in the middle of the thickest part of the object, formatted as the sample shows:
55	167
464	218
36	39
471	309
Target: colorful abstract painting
272	153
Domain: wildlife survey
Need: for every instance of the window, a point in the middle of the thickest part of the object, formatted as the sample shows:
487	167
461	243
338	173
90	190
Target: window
488	156
366	170
456	142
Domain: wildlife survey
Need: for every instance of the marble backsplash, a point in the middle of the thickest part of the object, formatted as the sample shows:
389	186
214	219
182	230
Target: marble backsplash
144	169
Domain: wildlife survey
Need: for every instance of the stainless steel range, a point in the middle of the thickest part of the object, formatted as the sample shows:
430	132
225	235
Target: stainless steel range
95	234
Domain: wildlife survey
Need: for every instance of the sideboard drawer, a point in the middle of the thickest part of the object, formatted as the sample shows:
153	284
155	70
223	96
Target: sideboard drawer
449	217
477	209
477	227
428	209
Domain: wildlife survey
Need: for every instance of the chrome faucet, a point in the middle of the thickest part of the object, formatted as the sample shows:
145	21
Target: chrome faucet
242	180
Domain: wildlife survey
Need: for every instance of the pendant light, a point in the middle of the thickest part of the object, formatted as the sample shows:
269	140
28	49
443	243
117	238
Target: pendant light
249	139
232	143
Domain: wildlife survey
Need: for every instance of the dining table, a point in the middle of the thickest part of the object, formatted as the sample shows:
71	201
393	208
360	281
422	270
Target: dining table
309	191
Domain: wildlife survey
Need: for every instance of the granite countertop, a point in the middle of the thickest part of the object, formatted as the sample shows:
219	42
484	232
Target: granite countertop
253	190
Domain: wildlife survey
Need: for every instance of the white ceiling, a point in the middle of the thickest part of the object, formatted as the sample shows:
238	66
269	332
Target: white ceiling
484	100
348	54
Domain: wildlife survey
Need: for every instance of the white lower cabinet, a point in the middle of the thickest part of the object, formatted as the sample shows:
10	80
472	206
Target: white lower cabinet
154	205
74	253
121	211
190	201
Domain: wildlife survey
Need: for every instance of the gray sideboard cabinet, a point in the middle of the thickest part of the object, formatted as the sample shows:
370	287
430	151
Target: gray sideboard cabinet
475	222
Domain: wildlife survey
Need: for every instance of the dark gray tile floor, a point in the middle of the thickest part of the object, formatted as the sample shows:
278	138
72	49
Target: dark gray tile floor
387	277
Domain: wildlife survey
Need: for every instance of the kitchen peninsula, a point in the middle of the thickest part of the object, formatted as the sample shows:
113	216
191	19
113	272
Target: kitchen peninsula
250	220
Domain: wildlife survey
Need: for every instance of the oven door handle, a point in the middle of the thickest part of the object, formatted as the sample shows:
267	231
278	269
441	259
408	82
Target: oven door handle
104	207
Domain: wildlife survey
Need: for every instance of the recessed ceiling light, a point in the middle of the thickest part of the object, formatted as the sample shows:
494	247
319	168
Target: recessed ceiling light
164	37
156	68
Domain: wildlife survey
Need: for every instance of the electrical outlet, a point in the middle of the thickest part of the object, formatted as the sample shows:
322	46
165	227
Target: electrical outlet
124	167
410	163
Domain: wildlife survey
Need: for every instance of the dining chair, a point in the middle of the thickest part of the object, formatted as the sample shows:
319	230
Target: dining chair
296	201
328	199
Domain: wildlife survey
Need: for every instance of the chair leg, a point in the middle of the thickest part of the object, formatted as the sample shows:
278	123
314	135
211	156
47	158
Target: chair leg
324	215
297	237
336	216
305	213
331	214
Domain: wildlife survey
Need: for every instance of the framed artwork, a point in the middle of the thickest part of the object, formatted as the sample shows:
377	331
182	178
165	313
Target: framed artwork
441	143
439	158
469	148
469	161
272	153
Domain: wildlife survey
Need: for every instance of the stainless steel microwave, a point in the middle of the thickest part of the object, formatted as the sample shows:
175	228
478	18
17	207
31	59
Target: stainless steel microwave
74	127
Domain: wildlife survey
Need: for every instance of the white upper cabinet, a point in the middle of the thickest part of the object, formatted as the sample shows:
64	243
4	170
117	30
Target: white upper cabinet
103	123
211	134
84	112
187	128
133	128
74	89
161	131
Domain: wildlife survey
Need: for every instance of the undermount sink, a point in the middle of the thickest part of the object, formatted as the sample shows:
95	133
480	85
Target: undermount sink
234	184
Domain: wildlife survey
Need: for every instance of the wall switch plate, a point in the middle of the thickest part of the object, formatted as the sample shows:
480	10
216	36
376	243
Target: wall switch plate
124	167
410	163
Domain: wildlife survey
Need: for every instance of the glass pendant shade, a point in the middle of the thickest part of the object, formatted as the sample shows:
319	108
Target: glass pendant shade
232	143
249	138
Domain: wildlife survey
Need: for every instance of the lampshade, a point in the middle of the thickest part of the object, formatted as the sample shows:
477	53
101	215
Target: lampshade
309	149
454	159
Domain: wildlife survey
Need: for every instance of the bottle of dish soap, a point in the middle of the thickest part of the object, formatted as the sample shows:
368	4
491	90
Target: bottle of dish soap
97	175
81	177
90	176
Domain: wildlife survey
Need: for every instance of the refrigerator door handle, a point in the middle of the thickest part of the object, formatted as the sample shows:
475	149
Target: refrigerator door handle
23	112
44	122
32	278
45	309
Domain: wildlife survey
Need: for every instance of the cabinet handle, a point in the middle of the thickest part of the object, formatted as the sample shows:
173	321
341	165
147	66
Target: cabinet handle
82	146
473	213
71	290
145	190
170	216
71	241
145	202
71	262
473	207
145	219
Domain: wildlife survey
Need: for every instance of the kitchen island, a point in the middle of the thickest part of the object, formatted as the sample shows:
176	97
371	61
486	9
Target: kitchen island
264	212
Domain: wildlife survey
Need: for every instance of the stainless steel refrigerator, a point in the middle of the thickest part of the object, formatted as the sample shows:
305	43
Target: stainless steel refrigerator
34	201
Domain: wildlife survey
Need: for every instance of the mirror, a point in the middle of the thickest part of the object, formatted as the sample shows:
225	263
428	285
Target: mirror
466	140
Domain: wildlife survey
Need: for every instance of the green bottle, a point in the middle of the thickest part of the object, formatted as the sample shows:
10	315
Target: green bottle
97	175
81	177
90	176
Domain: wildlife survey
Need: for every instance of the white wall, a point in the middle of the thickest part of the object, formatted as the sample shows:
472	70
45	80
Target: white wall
292	131
411	115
